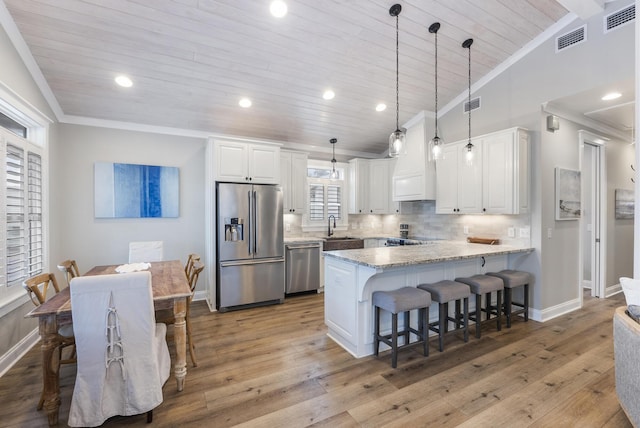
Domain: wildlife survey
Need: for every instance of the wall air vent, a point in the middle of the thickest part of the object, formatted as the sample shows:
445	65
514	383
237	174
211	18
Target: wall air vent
572	38
617	19
474	104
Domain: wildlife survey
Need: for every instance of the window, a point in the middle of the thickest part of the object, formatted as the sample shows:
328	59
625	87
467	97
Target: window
326	196
22	248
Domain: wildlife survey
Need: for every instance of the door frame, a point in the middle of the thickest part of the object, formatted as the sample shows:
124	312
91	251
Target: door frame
599	230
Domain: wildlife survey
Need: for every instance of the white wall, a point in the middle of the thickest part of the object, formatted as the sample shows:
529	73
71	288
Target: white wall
77	234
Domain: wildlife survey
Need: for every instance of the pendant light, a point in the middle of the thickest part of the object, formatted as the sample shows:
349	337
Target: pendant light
334	173
435	144
469	153
397	144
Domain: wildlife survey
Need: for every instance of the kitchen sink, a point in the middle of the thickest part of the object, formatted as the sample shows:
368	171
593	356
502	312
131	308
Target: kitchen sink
342	243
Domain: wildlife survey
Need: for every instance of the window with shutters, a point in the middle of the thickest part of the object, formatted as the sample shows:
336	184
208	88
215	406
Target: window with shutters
326	196
22	210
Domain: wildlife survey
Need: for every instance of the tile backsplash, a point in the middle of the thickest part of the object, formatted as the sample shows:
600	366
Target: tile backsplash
425	223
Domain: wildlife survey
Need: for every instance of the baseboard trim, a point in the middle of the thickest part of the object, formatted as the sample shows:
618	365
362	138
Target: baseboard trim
19	349
554	311
613	290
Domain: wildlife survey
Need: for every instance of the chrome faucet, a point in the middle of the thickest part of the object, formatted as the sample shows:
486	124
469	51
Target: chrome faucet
329	232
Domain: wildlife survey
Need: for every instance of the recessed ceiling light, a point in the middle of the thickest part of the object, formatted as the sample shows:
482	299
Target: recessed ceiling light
611	96
245	102
124	81
381	107
278	8
328	94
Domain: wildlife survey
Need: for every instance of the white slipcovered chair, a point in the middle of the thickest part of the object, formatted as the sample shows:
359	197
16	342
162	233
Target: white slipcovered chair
145	251
123	358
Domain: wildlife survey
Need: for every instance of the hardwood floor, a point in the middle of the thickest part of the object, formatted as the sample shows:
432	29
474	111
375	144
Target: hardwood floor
274	366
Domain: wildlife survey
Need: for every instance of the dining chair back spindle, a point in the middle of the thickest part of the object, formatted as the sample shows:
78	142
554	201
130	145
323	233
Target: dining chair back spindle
70	270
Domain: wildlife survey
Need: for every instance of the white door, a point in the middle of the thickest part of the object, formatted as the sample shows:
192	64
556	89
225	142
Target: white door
591	220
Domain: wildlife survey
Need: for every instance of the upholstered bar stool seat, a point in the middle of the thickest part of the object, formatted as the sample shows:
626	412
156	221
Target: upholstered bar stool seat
402	300
484	285
513	279
444	292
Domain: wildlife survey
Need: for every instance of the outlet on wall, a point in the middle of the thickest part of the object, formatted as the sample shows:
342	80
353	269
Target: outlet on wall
511	232
525	232
465	229
287	227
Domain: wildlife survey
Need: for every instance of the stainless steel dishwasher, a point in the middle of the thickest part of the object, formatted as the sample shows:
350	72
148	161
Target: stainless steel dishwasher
302	263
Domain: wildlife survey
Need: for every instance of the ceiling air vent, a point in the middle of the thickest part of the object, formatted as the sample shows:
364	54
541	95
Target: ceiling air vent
474	104
571	38
619	18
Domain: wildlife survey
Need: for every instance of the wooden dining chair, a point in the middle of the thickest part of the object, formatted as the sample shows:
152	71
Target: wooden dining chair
70	270
37	288
167	317
188	266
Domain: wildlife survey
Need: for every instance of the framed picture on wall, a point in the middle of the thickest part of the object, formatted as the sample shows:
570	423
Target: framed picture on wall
136	191
567	194
625	204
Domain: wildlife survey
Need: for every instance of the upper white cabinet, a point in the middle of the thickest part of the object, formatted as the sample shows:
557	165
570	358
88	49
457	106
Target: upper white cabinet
358	186
293	177
459	185
497	182
247	162
370	187
414	178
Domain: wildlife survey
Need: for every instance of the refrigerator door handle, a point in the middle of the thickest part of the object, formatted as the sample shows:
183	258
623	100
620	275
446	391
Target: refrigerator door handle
250	224
251	262
255	223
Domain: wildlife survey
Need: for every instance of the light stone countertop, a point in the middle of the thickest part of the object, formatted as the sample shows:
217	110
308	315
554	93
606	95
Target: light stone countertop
390	257
300	240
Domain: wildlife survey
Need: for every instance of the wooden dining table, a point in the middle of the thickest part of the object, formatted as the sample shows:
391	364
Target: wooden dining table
170	290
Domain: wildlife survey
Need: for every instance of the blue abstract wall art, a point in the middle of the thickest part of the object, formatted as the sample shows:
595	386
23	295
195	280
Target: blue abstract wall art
136	191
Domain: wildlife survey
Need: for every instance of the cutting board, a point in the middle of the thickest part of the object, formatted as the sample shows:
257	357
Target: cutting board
488	241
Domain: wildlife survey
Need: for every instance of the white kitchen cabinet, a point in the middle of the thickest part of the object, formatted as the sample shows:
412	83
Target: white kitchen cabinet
505	172
370	187
358	186
498	182
247	162
379	186
414	178
293	178
459	185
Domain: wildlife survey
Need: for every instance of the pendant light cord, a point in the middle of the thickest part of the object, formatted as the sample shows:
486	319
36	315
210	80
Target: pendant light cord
436	133
469	94
397	78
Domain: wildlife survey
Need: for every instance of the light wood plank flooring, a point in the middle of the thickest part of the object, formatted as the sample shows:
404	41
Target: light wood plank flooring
274	366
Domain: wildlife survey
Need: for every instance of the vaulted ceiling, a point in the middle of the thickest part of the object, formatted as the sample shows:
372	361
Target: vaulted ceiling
192	60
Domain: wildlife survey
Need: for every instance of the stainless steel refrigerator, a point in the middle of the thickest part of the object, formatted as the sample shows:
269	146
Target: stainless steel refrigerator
250	252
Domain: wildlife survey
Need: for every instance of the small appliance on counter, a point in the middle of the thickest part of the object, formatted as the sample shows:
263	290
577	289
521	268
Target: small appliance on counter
404	230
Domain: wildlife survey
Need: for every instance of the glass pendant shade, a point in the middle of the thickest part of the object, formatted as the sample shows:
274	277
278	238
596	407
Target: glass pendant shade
334	173
435	148
397	144
469	154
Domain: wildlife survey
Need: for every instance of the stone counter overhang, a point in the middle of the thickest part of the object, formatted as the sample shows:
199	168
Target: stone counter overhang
382	258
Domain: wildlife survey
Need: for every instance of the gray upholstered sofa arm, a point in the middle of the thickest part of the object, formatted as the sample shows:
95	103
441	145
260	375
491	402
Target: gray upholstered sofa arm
626	347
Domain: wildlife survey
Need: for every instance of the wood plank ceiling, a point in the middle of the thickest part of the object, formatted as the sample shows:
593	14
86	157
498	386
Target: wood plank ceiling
192	60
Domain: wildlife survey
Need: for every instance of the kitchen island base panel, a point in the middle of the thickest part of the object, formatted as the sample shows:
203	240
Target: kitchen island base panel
349	287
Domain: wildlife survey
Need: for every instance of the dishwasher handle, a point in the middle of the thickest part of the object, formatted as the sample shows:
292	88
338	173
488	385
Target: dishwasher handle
300	247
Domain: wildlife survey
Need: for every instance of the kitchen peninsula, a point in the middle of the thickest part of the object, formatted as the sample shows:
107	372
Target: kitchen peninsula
351	277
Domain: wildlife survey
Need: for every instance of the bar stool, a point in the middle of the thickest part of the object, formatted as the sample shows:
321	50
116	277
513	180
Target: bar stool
484	284
444	292
511	280
404	300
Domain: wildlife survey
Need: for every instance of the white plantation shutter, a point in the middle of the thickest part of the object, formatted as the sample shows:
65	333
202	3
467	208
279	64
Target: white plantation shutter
35	257
334	201
15	227
316	202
